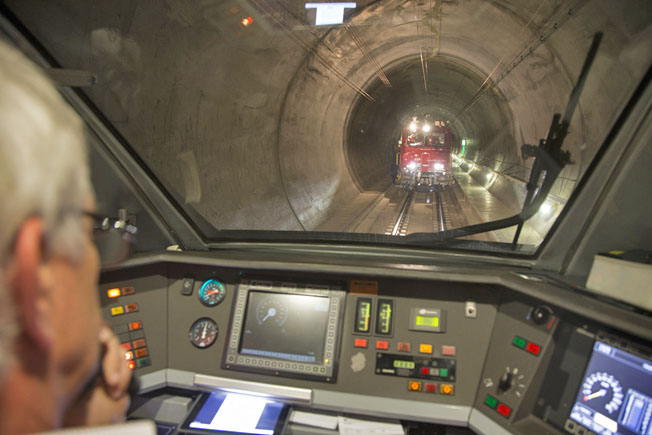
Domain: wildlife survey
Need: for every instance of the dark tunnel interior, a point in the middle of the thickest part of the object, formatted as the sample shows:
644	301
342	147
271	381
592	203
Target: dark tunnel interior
267	126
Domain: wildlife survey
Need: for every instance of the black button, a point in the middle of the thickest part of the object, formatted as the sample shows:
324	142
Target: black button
187	285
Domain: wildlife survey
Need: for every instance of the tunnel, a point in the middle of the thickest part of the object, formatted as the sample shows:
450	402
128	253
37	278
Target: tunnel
279	124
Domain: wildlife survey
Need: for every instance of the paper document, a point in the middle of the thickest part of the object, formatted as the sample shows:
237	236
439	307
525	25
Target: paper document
352	426
313	419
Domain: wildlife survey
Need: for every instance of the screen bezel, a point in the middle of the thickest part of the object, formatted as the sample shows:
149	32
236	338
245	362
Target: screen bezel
322	372
278	429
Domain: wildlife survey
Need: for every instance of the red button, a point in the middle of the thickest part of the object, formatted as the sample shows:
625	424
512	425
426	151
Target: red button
425	371
430	388
360	342
135	325
131	308
533	348
403	346
126	346
139	343
132	365
504	410
448	350
382	344
141	352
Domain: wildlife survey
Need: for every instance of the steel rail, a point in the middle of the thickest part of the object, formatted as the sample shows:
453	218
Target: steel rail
402	214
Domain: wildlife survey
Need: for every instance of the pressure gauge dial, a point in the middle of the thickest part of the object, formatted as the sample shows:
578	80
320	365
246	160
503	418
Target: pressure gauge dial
203	333
212	293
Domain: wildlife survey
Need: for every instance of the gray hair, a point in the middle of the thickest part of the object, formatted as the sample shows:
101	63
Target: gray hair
43	172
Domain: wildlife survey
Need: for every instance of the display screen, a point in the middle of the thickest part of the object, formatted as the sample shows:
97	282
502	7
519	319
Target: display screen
427	321
615	396
403	364
363	315
238	413
285	326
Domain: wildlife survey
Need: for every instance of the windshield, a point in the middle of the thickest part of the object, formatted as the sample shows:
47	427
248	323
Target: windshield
292	118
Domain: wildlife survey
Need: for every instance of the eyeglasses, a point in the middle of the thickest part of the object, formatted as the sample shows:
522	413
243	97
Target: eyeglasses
113	238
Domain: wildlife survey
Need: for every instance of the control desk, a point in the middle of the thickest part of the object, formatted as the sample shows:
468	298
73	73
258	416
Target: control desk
489	350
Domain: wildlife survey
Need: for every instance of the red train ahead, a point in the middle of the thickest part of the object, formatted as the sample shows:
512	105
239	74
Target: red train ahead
424	155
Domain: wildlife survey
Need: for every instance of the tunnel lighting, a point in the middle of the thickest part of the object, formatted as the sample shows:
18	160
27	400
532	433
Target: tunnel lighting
491	179
246	21
413	126
329	13
546	209
463	142
427	128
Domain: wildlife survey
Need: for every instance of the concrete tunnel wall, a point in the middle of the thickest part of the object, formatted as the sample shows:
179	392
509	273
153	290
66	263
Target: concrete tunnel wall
284	144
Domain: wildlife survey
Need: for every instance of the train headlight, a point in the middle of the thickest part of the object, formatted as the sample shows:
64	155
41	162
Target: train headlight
426	128
439	166
412	166
413	126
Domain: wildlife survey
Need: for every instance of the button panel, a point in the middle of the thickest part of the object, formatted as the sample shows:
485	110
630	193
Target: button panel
526	345
416	366
431	387
497	406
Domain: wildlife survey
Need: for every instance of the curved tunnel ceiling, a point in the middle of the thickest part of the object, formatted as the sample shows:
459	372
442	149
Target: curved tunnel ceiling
266	127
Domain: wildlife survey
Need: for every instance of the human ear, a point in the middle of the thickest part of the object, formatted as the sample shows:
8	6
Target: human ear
31	281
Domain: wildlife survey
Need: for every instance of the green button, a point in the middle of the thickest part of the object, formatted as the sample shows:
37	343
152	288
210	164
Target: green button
519	342
490	402
142	362
443	373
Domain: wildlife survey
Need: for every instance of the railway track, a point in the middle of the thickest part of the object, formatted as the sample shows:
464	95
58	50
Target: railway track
427	212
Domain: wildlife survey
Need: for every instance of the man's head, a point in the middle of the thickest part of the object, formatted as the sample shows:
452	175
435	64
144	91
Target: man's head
49	316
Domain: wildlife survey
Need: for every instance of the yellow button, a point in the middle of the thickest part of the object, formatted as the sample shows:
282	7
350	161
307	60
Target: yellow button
117	310
113	293
414	386
425	348
446	389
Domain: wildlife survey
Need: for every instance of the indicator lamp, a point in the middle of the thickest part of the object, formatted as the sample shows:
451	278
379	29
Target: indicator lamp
113	293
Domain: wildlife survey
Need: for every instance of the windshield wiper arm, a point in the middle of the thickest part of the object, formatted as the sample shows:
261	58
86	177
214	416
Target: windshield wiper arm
550	159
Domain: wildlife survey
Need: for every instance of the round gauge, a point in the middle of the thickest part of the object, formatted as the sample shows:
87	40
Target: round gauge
601	389
271	311
203	332
212	293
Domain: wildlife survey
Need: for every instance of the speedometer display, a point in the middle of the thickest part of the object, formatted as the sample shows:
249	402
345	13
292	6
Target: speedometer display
212	293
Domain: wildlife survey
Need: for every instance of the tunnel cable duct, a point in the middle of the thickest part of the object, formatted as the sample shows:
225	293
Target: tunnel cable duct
550	159
557	21
312	49
367	54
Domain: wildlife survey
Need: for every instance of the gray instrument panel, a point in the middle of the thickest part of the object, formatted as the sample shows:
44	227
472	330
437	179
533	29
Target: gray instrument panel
451	345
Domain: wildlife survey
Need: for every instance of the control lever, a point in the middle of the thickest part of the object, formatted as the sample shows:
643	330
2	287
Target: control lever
505	381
